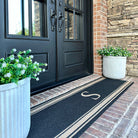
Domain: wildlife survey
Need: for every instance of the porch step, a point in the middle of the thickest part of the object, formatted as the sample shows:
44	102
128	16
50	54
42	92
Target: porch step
52	93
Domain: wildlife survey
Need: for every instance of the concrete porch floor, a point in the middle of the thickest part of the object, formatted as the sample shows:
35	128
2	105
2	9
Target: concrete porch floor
119	120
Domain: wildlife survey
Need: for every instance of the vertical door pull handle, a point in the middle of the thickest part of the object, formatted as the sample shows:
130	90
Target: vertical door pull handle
60	21
53	19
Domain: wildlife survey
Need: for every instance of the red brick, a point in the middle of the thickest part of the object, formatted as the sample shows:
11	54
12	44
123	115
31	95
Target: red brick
111	119
86	135
96	132
38	98
33	101
115	115
114	110
105	123
101	127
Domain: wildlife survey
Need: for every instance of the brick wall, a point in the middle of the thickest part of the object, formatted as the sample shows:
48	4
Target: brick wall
100	31
123	29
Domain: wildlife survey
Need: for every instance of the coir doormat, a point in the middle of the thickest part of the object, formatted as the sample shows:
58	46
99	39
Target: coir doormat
70	114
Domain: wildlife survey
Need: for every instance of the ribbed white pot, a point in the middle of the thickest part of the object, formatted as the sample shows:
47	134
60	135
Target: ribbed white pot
15	109
114	67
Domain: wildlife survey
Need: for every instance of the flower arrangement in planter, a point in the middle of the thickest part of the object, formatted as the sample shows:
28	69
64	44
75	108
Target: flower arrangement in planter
15	73
15	68
114	61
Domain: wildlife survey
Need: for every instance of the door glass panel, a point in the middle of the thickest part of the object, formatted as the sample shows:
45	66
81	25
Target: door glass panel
74	21
70	3
66	25
39	18
66	1
77	27
78	4
69	24
18	22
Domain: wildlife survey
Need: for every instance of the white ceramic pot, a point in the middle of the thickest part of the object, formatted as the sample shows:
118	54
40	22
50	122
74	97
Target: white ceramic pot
114	67
15	109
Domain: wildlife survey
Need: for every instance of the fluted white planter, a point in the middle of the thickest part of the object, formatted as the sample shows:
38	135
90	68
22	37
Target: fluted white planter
15	109
114	67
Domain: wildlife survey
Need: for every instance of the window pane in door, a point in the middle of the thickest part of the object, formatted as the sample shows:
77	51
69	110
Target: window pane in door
78	26
39	18
18	22
78	4
66	25
70	3
69	24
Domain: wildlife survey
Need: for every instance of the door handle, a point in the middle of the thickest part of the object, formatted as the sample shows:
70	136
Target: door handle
53	19
60	21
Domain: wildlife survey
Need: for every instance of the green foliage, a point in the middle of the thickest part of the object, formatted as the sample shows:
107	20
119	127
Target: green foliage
114	51
19	66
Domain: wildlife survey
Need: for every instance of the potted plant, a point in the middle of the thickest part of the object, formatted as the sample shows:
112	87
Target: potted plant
114	61
15	73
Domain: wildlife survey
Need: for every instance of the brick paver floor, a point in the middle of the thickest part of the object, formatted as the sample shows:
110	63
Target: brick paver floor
119	121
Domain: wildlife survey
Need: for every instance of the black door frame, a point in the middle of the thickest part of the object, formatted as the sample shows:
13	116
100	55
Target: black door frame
89	30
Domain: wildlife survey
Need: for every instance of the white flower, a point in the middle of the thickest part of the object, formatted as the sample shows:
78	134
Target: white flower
44	70
29	50
4	65
12	57
14	50
31	56
35	67
24	51
19	55
35	62
8	75
38	73
37	79
46	64
40	70
19	65
22	72
2	59
35	75
17	60
23	66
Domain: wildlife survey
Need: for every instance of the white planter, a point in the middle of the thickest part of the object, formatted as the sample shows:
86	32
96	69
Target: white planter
114	67
15	109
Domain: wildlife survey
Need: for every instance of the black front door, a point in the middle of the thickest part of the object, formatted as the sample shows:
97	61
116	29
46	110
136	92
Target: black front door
55	30
71	38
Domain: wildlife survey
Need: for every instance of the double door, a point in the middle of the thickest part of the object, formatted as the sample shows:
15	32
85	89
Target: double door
55	30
